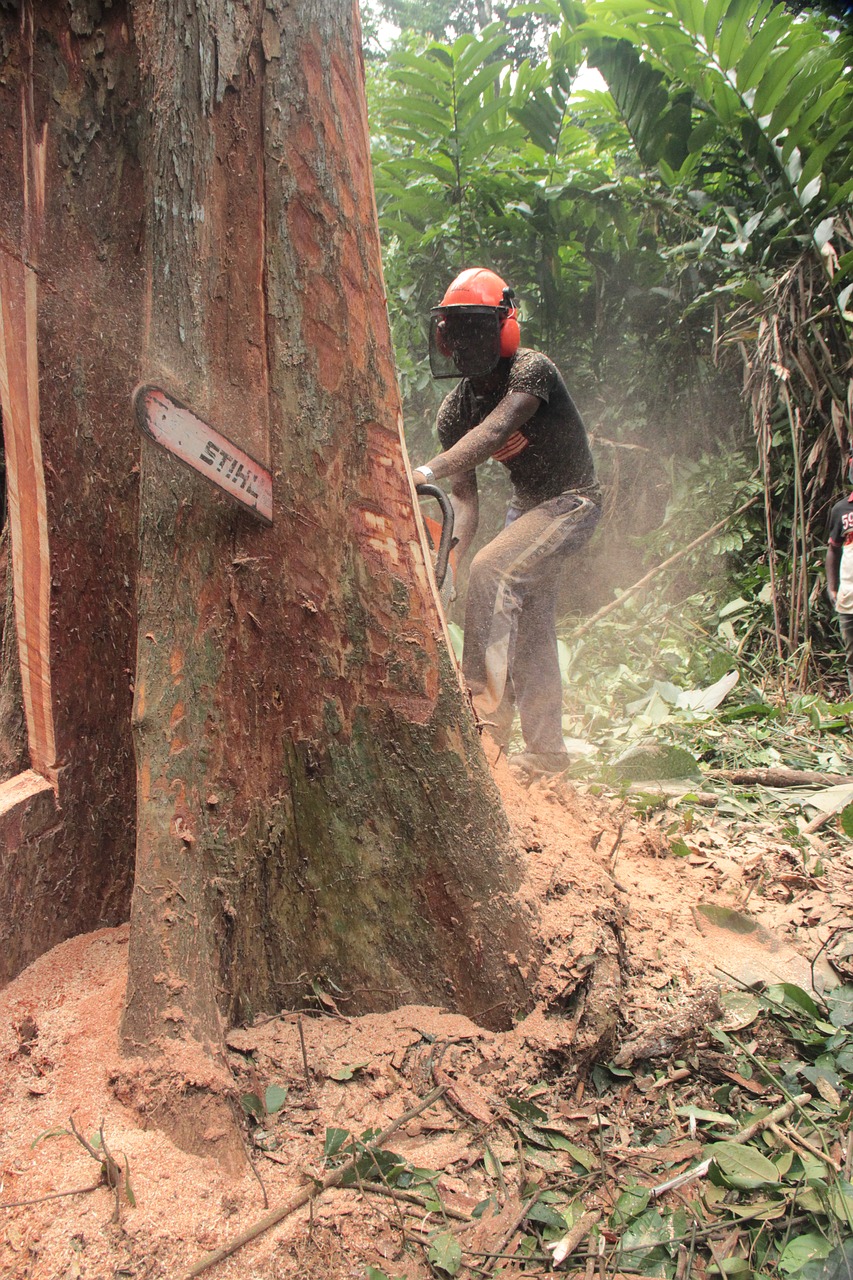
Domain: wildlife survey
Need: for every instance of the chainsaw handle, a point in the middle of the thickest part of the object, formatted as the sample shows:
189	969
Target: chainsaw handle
445	545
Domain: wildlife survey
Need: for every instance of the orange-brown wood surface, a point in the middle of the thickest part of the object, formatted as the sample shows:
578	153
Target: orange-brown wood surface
71	300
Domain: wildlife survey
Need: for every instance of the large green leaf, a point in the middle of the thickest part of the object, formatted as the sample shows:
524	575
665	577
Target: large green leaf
765	38
471	52
743	1166
814	164
810	80
734	36
799	130
714	11
445	1253
659	125
479	82
777	72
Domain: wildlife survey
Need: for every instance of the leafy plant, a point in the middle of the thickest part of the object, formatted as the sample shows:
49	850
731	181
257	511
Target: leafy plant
260	1109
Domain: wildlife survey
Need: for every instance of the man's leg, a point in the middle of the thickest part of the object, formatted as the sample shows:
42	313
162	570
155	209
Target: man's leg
507	575
536	669
846	622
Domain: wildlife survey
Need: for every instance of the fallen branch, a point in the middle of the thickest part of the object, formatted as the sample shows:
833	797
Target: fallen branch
53	1195
798	1143
664	565
766	1122
332	1179
560	1249
779	777
821	819
411	1197
504	1240
111	1173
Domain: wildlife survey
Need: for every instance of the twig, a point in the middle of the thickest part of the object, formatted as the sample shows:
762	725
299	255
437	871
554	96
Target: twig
522	1163
797	1142
591	1253
112	1172
54	1195
781	1113
332	1179
601	1155
411	1197
499	1173
779	777
614	852
692	1253
399	1212
665	564
568	1243
767	1073
681	1074
255	1172
822	818
504	1240
307	1069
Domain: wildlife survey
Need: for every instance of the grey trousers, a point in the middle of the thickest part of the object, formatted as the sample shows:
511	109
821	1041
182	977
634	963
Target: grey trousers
845	621
510	654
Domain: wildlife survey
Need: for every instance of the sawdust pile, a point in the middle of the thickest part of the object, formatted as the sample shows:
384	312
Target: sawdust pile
625	973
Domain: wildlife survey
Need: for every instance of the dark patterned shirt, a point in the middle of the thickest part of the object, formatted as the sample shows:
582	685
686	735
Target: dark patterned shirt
550	453
841	535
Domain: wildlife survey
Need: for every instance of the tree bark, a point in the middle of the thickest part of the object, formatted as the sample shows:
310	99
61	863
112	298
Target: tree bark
186	199
70	305
314	809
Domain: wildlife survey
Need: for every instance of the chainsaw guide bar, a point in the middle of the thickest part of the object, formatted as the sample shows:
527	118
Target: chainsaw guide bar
175	428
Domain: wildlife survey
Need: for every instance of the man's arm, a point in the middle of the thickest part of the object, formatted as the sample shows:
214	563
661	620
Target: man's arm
482	441
833	572
466	511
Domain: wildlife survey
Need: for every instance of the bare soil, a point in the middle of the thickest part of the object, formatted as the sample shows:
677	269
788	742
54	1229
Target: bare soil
628	978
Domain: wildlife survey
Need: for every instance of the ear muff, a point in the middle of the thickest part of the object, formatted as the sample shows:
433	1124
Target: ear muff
510	337
441	340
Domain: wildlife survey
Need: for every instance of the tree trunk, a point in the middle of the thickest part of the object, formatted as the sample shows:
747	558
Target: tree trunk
70	305
186	199
314	811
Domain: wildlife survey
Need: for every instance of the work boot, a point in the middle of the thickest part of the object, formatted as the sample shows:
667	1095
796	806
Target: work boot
528	765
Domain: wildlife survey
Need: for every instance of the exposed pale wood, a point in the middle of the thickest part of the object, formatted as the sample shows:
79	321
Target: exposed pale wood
19	790
19	397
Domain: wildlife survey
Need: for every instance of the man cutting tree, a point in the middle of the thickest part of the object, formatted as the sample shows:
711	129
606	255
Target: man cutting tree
513	405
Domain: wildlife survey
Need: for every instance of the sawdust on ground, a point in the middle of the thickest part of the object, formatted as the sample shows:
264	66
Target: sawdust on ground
614	903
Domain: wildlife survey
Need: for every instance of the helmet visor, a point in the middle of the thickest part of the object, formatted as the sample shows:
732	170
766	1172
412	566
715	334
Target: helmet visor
464	342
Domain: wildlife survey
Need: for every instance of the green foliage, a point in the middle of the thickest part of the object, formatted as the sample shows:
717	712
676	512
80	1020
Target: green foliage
641	228
780	1207
660	122
445	1253
258	1109
770	99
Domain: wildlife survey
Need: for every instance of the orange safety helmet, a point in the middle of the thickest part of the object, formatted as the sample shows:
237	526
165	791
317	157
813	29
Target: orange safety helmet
477	295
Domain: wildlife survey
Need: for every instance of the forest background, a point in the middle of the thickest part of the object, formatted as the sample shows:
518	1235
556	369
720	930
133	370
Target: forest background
678	230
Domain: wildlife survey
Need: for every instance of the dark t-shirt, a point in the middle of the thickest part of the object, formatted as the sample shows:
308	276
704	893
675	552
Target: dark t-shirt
550	453
841	535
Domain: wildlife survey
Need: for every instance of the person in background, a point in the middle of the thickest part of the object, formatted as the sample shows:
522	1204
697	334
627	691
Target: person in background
839	568
513	405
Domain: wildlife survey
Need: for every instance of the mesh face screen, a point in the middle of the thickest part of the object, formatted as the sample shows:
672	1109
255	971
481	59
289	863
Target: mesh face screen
464	342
